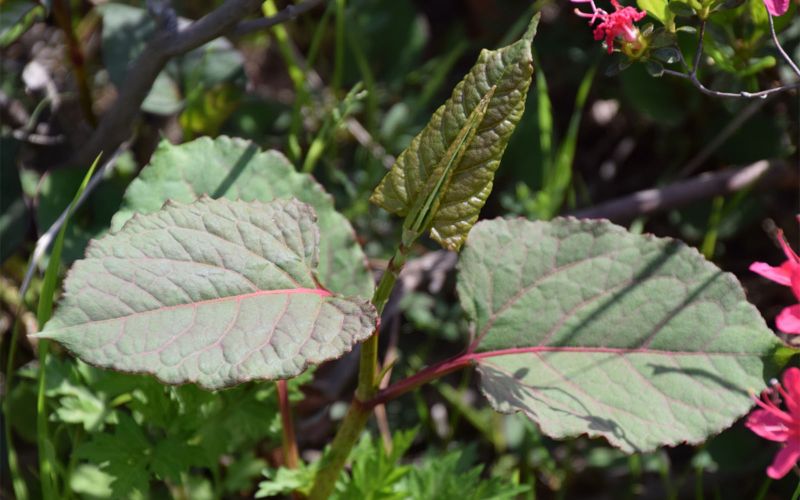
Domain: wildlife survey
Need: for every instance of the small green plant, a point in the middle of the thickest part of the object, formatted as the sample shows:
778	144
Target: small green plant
226	266
207	283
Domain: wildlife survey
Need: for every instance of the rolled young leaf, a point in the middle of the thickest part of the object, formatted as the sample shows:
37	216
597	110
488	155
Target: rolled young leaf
586	328
509	70
217	292
426	206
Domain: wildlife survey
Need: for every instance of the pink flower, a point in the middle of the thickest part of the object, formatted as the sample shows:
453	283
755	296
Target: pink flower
617	24
777	7
774	424
787	274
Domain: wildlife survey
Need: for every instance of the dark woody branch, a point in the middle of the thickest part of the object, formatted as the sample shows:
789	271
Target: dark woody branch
117	122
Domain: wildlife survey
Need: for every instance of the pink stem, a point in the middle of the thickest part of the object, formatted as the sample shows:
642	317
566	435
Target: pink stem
463	360
420	378
290	452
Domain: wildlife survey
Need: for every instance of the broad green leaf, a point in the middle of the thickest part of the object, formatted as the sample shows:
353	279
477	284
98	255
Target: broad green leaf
587	328
236	169
509	70
427	204
658	9
217	293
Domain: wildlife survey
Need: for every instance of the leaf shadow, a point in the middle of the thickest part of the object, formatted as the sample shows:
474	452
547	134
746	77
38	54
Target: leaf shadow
700	373
515	396
649	271
235	171
659	369
524	396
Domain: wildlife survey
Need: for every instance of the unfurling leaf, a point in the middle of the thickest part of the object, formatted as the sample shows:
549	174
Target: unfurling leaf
587	328
426	206
415	174
217	292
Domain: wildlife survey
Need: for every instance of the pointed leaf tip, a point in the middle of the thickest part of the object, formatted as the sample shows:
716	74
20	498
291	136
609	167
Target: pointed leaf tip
533	27
407	185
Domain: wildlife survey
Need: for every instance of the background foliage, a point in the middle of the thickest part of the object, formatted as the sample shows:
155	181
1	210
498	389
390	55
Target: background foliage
339	90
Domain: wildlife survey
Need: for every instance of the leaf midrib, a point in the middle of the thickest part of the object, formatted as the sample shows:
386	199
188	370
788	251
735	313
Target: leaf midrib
321	292
478	355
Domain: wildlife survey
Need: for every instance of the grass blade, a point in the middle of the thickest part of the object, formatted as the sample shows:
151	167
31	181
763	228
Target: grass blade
17	482
544	115
559	174
297	76
44	312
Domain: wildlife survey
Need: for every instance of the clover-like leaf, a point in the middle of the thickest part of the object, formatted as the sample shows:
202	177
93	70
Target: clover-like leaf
217	292
587	328
508	71
237	169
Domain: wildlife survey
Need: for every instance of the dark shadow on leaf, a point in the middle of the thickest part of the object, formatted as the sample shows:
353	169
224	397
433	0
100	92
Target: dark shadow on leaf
649	271
520	374
664	321
514	394
698	373
235	171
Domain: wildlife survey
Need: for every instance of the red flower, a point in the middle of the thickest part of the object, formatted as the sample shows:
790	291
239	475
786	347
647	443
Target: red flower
617	24
774	424
787	274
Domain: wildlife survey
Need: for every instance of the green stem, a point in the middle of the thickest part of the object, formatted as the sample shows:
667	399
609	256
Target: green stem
298	78
762	491
356	418
714	220
17	482
46	470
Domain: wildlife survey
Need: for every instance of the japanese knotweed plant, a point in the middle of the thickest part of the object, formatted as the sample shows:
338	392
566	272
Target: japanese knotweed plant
225	265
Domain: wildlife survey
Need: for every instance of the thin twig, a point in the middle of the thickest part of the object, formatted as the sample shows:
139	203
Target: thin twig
116	124
778	44
684	192
698	54
692	74
363	137
44	241
287	14
738	95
